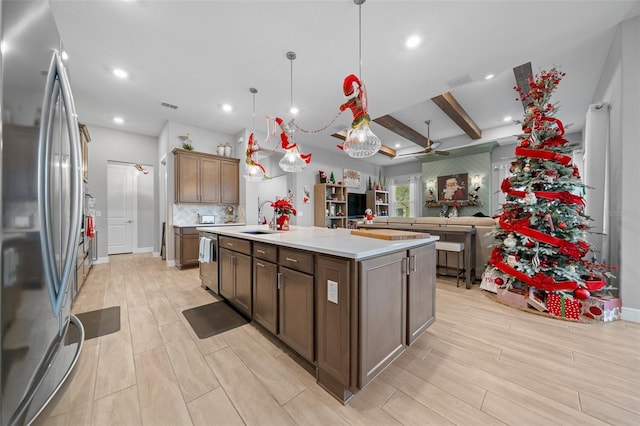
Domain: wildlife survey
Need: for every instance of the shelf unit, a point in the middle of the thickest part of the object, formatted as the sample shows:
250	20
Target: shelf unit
378	202
330	205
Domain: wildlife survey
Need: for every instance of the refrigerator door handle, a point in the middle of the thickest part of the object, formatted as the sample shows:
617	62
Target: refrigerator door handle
58	288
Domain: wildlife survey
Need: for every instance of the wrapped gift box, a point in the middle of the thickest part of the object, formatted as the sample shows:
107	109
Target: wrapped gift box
601	308
513	296
563	306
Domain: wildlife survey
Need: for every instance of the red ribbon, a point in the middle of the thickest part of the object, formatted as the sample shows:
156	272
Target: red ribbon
543	154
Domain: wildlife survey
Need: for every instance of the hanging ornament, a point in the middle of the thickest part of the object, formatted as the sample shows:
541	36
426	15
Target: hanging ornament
254	171
535	262
525	143
526	168
547	217
293	160
510	241
581	293
572	268
512	260
360	141
530	198
529	244
562	225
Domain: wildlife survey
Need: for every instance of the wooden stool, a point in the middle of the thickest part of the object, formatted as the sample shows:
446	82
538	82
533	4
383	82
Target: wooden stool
448	246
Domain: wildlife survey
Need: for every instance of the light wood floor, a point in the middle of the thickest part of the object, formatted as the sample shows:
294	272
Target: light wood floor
480	363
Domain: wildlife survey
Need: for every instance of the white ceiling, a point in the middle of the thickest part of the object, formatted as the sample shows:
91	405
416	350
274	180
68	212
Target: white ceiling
201	54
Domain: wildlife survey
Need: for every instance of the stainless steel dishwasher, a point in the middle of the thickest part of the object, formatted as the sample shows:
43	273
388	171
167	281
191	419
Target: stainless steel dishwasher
209	270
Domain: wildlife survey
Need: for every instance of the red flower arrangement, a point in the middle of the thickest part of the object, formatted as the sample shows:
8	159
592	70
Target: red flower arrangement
283	206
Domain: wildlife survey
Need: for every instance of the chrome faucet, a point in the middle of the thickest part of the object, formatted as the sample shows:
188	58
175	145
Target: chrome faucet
260	207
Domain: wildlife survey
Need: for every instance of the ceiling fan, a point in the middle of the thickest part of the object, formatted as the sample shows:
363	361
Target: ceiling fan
429	149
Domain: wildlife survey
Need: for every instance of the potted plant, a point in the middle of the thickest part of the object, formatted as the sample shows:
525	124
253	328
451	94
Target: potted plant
283	209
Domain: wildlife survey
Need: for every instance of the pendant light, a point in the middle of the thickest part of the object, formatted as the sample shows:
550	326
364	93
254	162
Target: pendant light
360	142
254	171
292	161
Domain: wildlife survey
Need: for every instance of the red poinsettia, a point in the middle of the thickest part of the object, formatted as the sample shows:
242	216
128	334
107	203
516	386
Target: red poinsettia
283	206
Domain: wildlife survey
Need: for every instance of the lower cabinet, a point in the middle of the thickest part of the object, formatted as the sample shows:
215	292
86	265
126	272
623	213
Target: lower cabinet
296	311
265	294
383	300
421	291
186	246
235	279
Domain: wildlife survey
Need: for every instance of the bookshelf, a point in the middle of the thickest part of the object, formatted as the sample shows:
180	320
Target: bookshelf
378	202
330	205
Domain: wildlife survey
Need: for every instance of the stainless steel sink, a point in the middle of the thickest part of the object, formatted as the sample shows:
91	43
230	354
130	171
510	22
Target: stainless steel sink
257	232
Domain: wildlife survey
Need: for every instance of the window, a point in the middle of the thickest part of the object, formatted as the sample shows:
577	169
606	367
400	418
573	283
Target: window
405	196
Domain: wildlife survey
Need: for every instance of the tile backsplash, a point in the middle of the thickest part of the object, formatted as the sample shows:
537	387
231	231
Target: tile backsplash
187	214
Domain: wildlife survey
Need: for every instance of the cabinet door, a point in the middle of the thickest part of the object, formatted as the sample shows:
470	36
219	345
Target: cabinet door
296	311
382	313
190	248
243	285
229	182
227	273
209	180
265	294
421	291
187	179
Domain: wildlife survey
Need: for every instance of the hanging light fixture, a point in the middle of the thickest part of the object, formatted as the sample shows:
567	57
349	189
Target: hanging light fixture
292	161
254	171
360	142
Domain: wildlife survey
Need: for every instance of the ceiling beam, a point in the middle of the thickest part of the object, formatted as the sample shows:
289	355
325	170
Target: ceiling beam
454	110
399	128
384	150
522	73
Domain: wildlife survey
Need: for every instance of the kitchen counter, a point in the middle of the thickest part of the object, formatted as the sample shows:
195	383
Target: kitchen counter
336	242
207	224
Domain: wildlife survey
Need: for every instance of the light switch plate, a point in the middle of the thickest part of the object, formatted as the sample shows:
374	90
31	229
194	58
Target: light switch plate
332	291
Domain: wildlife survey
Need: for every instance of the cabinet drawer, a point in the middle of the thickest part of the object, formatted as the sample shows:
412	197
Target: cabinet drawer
186	230
265	252
236	244
295	259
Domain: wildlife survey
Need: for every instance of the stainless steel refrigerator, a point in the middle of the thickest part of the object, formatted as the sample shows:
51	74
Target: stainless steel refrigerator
40	211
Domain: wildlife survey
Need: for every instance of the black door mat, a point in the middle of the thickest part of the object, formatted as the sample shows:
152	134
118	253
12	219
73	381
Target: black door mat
213	318
97	323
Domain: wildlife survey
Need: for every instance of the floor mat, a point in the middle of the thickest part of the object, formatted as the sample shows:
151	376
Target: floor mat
213	318
98	323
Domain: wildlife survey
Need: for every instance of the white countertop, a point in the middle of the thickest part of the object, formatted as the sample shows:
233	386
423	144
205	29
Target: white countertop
206	224
336	242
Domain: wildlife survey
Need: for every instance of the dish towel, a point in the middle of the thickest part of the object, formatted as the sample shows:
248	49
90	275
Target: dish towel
204	254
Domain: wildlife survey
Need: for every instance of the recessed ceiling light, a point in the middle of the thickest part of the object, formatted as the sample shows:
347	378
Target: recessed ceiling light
398	145
489	76
118	120
413	42
227	107
294	110
507	118
120	73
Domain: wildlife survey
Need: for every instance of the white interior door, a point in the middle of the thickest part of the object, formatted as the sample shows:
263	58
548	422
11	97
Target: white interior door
121	195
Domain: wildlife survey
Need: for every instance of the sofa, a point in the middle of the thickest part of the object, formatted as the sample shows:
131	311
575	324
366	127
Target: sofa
482	240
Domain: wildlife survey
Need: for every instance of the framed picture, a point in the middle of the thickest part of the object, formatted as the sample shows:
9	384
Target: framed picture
351	178
453	187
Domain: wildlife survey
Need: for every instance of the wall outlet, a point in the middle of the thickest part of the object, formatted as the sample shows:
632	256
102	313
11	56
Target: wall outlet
332	291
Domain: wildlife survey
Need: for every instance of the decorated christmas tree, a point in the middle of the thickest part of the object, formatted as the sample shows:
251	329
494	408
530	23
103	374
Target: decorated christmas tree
541	251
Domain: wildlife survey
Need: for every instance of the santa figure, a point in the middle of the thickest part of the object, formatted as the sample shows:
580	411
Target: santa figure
368	216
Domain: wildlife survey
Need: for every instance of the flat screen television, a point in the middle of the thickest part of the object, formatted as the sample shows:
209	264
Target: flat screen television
356	204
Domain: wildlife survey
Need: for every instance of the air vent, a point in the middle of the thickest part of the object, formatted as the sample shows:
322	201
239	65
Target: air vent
459	81
168	105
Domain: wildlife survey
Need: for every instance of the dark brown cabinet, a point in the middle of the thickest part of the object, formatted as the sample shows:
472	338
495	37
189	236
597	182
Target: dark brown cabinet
186	245
205	178
265	294
421	291
236	273
296	311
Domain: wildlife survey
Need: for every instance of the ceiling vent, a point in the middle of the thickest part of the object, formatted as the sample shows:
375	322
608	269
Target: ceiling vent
459	81
168	105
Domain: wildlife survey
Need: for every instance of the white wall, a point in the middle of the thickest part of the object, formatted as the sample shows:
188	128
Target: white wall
114	145
619	86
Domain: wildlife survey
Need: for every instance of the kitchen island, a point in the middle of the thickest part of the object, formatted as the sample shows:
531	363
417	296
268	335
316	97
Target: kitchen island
348	305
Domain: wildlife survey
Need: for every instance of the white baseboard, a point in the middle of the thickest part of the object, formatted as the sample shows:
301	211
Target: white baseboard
143	250
101	260
630	314
171	263
156	254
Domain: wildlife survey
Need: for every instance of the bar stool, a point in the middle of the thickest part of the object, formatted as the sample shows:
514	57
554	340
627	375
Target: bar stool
447	247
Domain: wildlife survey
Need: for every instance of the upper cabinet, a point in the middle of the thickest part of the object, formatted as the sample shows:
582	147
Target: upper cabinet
206	178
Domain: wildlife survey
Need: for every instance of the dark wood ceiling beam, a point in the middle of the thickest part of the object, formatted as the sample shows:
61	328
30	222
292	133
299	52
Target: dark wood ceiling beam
384	150
399	128
454	110
522	73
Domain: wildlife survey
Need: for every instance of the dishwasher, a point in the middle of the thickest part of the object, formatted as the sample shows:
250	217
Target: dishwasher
209	270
